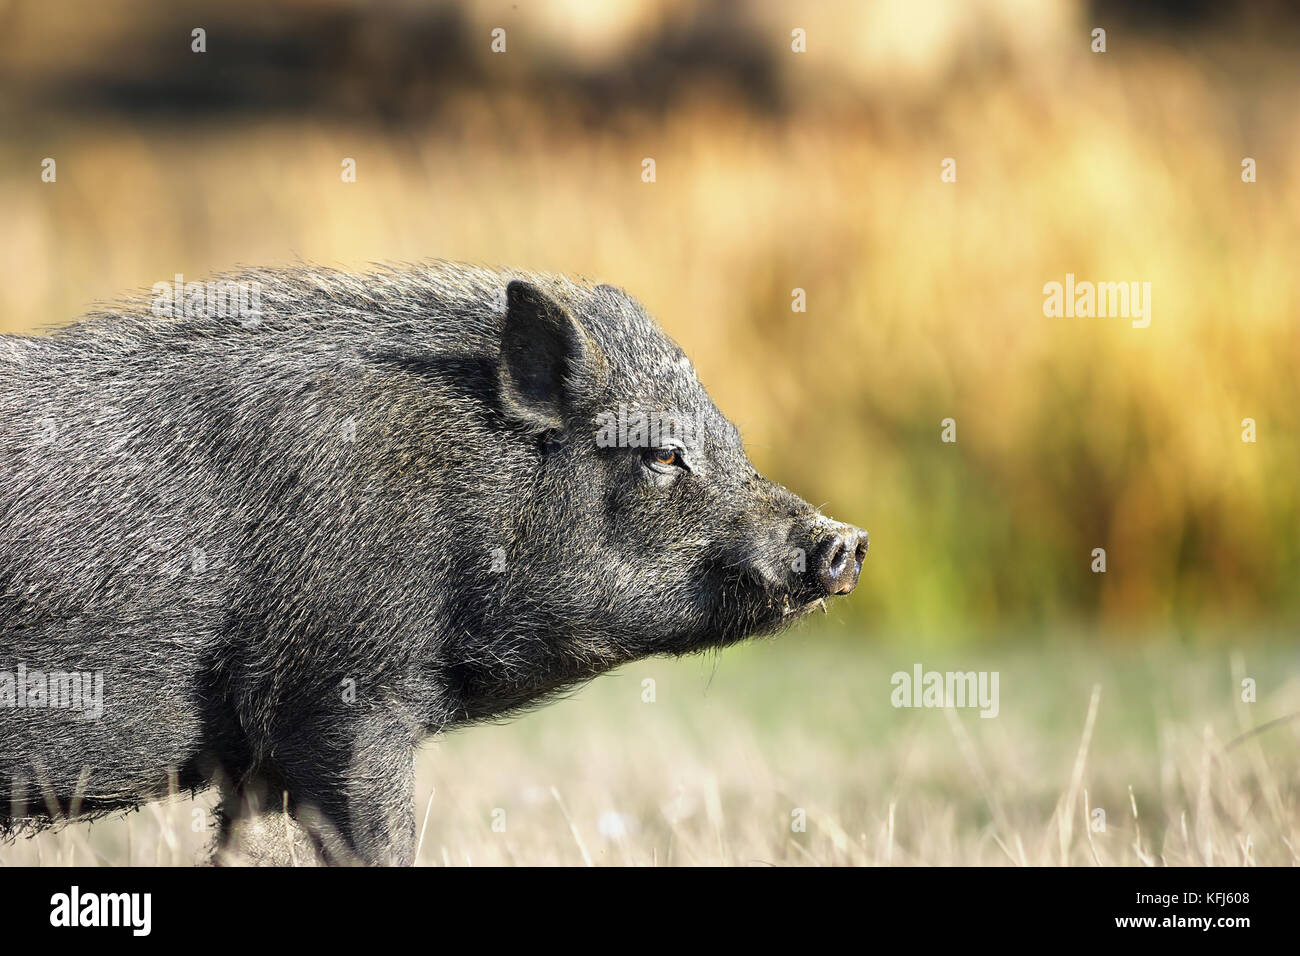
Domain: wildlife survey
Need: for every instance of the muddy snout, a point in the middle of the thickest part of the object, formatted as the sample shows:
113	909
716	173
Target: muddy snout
836	556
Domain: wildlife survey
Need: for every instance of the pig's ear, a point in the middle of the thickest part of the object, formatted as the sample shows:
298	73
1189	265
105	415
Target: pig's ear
550	368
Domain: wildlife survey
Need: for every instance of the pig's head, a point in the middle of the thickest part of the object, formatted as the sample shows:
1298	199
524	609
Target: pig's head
644	528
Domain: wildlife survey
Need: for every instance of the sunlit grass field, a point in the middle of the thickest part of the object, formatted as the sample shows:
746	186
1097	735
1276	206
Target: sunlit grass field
737	749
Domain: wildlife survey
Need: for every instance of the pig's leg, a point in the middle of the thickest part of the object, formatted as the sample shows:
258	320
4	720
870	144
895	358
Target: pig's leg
352	783
256	826
241	804
229	811
233	808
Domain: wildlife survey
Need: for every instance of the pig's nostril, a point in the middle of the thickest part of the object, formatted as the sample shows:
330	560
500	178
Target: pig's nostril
840	560
837	557
836	570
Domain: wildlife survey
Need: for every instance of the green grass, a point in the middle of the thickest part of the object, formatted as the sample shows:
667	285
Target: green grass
733	745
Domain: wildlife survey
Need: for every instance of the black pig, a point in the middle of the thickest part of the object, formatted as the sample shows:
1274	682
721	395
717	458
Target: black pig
291	539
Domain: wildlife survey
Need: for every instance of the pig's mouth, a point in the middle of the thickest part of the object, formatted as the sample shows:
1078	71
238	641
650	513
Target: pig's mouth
744	602
777	612
792	612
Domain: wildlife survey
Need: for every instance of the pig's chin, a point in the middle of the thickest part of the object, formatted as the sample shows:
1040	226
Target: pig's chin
791	611
757	615
734	601
787	609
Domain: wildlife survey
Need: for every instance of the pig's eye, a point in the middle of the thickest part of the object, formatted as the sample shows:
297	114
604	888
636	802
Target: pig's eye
664	459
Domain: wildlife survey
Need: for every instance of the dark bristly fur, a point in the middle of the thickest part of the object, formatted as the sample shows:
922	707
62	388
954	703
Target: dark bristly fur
297	546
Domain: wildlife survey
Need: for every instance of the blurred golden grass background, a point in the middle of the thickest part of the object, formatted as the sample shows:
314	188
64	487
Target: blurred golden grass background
924	297
778	171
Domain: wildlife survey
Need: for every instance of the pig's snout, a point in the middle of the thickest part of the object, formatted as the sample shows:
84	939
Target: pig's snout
837	558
